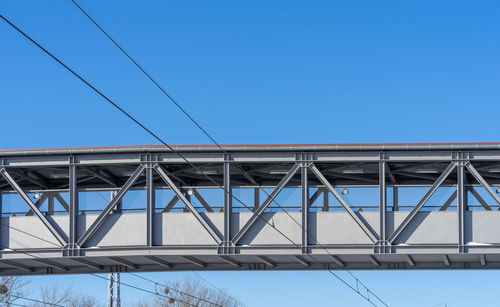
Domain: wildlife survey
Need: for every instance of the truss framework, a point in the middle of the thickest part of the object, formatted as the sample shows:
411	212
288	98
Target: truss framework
209	238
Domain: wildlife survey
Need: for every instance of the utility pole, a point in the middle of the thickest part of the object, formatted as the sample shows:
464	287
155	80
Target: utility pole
114	278
113	290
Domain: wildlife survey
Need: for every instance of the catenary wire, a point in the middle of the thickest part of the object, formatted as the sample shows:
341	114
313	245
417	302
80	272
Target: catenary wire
207	282
199	126
170	147
212	139
465	292
175	290
35	300
16	304
147	130
130	117
213	286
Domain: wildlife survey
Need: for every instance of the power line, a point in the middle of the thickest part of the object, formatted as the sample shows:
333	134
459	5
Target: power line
34	300
212	139
149	76
175	290
176	152
207	282
141	125
129	116
465	292
171	148
16	304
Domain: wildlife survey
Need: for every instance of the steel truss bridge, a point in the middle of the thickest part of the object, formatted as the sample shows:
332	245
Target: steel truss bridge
52	222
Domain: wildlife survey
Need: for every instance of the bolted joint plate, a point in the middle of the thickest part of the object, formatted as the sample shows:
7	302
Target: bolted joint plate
71	250
226	248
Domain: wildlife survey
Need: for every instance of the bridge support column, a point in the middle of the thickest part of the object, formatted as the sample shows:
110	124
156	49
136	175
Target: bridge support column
150	206
1	211
383	243
395	198
461	203
226	246
305	202
113	290
72	248
256	199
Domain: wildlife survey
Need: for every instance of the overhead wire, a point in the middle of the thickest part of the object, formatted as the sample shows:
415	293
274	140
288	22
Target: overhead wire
127	114
141	125
169	146
445	303
214	286
173	289
207	282
34	300
212	139
15	304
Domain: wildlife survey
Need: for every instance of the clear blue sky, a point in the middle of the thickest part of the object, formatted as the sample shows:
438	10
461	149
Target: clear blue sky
262	72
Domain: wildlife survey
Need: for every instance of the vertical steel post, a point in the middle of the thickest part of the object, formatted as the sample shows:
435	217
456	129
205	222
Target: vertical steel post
110	290
118	207
305	204
1	211
73	204
466	193
382	202
188	197
326	206
50	205
256	199
461	204
395	198
113	290
150	206
118	301
228	200
114	278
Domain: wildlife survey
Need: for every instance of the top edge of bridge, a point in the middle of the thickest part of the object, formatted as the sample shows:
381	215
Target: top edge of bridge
251	147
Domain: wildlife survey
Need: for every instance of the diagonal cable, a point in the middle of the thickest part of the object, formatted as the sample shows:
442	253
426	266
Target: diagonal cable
212	139
171	148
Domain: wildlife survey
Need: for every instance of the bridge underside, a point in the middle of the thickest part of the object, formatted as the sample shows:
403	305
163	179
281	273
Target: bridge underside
251	208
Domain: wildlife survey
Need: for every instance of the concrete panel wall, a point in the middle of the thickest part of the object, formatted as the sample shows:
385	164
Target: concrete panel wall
436	227
340	228
17	235
262	233
182	228
485	226
129	229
